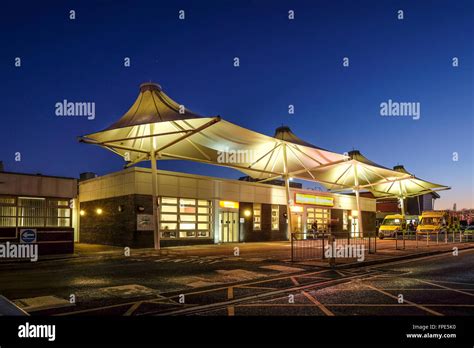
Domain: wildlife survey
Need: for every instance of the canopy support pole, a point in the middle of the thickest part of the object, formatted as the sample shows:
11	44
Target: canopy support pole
288	207
288	196
154	195
359	212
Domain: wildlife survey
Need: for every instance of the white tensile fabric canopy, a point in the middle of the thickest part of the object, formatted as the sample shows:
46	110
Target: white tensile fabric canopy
157	122
356	174
359	172
409	187
156	127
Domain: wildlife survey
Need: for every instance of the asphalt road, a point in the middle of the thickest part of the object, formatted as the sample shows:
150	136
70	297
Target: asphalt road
217	285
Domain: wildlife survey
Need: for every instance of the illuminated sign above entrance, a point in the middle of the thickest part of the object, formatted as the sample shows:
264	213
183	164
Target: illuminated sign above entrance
229	204
302	198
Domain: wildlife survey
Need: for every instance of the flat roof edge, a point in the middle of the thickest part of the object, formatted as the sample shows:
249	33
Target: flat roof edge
38	175
236	181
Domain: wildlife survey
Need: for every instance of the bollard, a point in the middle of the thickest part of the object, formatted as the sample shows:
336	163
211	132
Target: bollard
322	249
292	249
332	259
375	244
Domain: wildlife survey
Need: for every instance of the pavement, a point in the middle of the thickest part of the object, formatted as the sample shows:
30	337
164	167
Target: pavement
386	250
211	280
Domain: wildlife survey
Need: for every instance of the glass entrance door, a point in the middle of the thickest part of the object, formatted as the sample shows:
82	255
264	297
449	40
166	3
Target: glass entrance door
355	227
296	219
229	226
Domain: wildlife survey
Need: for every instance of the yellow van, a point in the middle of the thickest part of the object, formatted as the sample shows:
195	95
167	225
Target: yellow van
437	221
397	223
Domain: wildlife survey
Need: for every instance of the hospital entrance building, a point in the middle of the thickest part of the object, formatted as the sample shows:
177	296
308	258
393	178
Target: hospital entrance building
116	209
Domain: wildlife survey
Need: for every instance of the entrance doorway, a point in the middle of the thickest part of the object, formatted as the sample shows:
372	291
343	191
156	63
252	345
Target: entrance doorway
296	221
229	226
355	227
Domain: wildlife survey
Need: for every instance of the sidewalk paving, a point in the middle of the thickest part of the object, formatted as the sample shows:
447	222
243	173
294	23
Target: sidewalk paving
277	251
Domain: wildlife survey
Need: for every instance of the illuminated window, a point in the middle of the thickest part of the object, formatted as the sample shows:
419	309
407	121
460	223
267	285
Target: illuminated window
169	209
34	212
185	218
7	212
257	216
321	216
58	213
275	217
345	220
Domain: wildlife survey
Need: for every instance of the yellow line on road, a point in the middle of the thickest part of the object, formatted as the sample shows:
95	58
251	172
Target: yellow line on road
254	287
230	311
318	304
96	309
230	293
275	305
293	279
251	283
314	277
132	309
443	287
409	302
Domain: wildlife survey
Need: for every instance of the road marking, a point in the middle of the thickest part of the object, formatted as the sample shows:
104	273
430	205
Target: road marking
230	293
409	302
230	311
40	303
133	308
281	268
442	286
156	301
253	287
293	279
461	283
303	276
318	304
283	277
95	309
162	260
216	305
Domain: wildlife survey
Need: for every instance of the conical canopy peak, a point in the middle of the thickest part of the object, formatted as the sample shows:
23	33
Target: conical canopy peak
400	168
151	106
284	133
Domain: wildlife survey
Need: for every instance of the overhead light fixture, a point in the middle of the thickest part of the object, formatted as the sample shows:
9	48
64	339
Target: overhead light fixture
82	212
98	211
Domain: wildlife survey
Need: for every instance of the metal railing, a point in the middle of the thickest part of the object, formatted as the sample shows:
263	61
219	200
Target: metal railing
430	238
308	246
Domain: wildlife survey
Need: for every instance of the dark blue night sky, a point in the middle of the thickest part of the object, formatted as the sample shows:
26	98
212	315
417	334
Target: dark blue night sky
282	62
